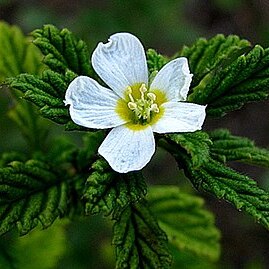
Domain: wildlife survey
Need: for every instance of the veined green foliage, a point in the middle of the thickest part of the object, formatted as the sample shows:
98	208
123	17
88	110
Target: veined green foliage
225	183
32	193
47	93
228	73
62	50
188	225
155	60
196	144
17	54
66	58
139	241
227	147
109	192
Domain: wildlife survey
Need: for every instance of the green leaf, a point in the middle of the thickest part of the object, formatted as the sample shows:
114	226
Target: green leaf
67	57
196	144
188	225
227	147
31	193
227	74
139	241
28	252
155	60
109	192
62	50
48	94
225	183
17	54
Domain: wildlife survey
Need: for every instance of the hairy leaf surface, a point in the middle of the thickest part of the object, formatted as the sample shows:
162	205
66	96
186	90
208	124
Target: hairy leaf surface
227	147
31	193
225	183
109	192
228	73
139	241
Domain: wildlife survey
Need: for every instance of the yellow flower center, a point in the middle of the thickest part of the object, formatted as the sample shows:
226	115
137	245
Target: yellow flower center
141	107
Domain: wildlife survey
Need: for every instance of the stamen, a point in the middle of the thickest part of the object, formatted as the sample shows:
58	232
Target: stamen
151	96
132	105
143	107
129	92
154	108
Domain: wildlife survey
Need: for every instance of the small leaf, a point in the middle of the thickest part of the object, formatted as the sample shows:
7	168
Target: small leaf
225	183
155	60
196	144
188	225
31	193
62	50
139	241
227	147
109	192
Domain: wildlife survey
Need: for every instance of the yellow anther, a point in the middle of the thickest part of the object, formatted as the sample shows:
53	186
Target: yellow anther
154	108
151	96
143	88
132	105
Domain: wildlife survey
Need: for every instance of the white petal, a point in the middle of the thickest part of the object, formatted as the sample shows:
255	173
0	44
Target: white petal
128	150
174	79
121	62
180	117
92	105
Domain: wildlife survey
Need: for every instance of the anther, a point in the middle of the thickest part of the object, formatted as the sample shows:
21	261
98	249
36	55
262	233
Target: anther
151	96
143	88
154	108
132	105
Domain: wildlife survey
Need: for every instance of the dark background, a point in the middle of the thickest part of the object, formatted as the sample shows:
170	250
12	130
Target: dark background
166	26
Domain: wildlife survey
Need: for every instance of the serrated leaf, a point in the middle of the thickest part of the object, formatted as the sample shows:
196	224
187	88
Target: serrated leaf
196	144
109	192
17	54
62	50
139	241
188	225
227	147
31	193
47	93
155	60
225	183
227	73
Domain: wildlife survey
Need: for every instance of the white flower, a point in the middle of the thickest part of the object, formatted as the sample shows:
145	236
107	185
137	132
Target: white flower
132	107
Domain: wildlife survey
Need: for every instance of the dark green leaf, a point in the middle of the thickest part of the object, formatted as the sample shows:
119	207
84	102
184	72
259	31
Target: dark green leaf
227	73
62	50
188	225
139	241
196	144
225	183
109	192
227	147
32	193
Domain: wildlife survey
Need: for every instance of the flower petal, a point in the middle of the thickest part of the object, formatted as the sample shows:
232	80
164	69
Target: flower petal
128	150
121	62
180	117
92	105
174	79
